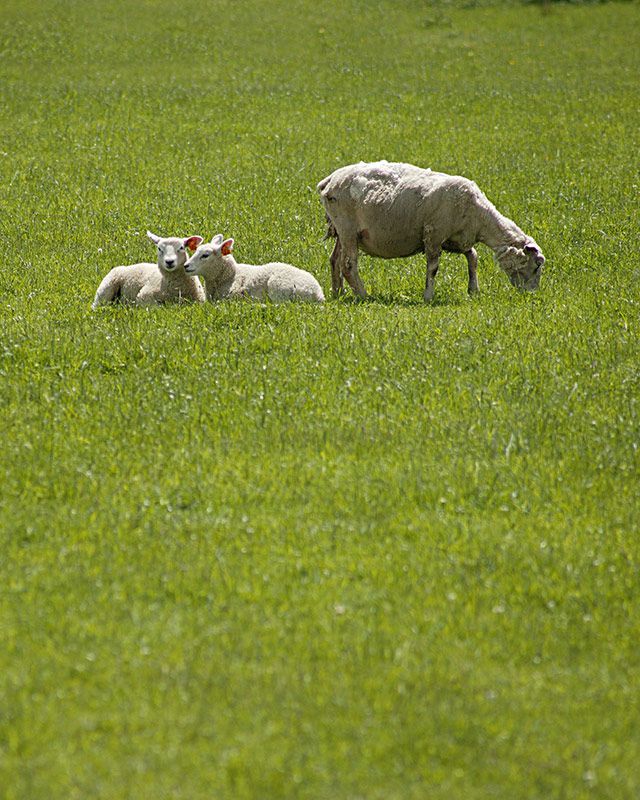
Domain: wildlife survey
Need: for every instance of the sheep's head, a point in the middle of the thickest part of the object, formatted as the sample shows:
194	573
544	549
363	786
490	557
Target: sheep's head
208	257
172	252
523	264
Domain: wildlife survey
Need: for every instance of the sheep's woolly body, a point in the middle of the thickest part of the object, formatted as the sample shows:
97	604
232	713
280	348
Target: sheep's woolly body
226	279
276	281
147	285
392	210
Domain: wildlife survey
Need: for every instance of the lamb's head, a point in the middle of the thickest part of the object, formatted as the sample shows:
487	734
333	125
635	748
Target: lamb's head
523	263
208	258
172	252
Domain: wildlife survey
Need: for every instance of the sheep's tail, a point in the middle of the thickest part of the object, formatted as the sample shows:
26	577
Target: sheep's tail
331	232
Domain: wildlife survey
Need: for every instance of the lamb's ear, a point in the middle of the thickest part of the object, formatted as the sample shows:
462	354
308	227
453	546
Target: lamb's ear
227	247
192	242
155	239
217	240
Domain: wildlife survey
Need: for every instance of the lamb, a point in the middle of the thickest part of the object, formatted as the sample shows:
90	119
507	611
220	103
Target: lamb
393	210
225	278
149	284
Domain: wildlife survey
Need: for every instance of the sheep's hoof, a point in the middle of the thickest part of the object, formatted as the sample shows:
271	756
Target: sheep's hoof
360	298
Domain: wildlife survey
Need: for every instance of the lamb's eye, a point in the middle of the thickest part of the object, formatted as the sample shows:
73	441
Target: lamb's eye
206	255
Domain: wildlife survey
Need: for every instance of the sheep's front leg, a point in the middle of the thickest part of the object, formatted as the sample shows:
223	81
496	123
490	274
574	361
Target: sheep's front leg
349	267
472	263
337	283
147	297
433	262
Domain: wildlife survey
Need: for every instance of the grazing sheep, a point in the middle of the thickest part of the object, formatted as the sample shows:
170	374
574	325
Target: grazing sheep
225	278
148	284
392	210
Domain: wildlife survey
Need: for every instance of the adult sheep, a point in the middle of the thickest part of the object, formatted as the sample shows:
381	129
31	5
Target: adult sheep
392	210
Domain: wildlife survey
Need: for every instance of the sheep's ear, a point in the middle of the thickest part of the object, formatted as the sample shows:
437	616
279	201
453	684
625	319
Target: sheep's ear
227	247
155	239
217	240
192	242
536	252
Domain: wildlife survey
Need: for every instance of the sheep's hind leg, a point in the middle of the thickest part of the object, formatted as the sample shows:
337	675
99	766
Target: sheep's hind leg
349	267
472	262
433	262
337	284
108	292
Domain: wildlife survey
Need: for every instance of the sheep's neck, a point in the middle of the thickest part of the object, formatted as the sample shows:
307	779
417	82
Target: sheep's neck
222	278
496	230
173	278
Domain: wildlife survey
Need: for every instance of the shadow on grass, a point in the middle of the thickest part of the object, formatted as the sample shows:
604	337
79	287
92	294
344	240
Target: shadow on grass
398	300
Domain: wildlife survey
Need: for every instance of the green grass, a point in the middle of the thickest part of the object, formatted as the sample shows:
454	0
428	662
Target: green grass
365	551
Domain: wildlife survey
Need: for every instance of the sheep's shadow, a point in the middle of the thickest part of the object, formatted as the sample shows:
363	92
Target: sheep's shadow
385	299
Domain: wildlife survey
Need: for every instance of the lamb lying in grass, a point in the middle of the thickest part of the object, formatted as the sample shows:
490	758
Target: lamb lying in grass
225	278
392	210
149	284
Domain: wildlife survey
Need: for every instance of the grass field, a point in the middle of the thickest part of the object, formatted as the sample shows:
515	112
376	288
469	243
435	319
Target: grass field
365	551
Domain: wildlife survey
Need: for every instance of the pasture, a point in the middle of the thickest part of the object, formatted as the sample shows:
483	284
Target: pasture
360	551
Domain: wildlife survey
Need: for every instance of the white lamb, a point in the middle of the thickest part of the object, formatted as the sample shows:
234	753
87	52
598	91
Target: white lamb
149	284
392	210
225	278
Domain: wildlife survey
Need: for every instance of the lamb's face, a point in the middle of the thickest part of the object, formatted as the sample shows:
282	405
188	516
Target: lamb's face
172	251
208	258
523	265
204	257
172	254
